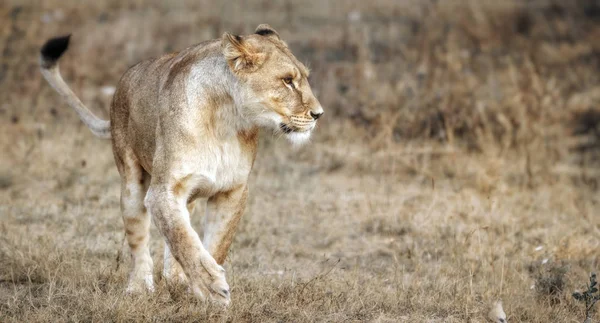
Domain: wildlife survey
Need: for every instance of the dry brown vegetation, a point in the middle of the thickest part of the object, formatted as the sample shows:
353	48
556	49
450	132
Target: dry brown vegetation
457	164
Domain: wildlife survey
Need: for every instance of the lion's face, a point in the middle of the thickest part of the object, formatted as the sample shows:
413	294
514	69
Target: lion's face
278	94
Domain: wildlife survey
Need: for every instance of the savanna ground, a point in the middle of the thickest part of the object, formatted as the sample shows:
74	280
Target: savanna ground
457	163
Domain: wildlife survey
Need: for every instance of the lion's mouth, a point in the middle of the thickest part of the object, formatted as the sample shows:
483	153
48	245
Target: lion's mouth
296	135
285	128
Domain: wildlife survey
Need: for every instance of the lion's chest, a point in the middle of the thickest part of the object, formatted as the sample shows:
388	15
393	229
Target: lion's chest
232	166
215	168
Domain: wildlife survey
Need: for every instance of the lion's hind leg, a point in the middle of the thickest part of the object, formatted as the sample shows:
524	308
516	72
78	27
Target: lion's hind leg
136	219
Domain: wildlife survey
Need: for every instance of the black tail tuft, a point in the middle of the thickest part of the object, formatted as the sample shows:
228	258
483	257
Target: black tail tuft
53	50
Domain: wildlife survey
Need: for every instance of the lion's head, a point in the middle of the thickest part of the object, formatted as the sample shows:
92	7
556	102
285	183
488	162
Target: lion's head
275	83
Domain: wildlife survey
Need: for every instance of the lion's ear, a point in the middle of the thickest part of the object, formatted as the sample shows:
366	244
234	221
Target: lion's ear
240	55
267	31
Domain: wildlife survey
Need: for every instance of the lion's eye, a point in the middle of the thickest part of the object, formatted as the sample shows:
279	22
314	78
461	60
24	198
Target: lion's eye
289	81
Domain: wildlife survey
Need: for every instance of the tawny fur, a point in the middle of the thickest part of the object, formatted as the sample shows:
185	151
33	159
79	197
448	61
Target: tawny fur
184	126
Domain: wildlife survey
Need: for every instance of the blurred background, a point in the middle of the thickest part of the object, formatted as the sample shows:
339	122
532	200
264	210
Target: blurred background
459	152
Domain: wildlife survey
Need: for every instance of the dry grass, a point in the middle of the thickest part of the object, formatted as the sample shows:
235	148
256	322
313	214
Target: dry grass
457	164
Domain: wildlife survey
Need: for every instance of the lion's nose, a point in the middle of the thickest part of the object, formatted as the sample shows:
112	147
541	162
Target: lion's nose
316	115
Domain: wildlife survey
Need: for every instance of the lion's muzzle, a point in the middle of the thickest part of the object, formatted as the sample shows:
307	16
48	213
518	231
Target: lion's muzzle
300	123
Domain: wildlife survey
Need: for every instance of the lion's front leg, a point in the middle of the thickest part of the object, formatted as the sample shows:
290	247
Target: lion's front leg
172	270
169	212
223	213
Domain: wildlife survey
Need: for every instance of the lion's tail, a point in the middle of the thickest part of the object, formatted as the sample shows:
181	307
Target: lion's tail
50	53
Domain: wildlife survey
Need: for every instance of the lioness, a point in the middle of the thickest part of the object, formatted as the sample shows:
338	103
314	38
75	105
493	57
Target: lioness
185	125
